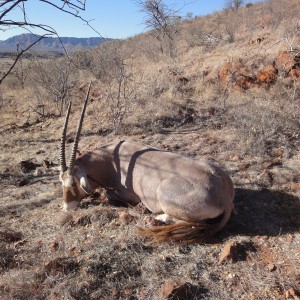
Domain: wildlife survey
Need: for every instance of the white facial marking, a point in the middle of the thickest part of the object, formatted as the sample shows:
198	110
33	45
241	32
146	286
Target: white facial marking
70	205
69	181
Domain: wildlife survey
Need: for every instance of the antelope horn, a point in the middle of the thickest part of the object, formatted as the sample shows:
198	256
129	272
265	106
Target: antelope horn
63	165
76	141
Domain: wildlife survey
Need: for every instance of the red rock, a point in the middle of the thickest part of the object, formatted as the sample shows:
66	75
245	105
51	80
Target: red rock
267	75
236	74
287	61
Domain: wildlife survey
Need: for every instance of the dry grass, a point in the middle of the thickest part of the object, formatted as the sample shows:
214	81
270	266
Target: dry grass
174	104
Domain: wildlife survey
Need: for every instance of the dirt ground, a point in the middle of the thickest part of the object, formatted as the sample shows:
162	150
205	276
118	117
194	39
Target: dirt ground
95	252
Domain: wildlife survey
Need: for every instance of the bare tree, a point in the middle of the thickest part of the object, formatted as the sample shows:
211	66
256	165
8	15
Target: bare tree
9	21
162	20
228	22
52	83
22	69
234	4
111	66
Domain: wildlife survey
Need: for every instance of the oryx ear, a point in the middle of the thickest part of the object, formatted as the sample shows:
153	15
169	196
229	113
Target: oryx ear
84	184
82	178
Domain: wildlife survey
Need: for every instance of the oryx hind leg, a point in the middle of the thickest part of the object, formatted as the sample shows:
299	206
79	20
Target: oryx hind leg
185	200
165	218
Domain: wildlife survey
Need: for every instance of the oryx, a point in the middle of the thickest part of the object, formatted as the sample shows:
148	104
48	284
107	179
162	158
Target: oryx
196	194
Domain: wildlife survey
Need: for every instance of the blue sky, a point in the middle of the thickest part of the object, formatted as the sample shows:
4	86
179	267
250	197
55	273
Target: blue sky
112	18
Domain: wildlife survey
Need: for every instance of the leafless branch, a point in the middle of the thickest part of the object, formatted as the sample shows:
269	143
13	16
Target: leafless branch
162	19
71	7
19	56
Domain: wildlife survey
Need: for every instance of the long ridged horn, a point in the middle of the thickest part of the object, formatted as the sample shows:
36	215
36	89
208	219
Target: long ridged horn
76	141
63	165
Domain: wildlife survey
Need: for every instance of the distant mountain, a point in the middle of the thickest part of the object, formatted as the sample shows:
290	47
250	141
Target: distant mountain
49	43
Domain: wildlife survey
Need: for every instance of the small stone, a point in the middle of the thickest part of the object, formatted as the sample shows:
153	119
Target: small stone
268	164
295	186
227	252
291	292
244	166
38	172
278	152
124	218
271	267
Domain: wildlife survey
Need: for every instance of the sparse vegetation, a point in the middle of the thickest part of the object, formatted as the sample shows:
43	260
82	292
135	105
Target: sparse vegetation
234	4
51	83
163	22
236	102
14	14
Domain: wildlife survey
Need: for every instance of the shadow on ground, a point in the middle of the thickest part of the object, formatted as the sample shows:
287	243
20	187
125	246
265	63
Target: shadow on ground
265	212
